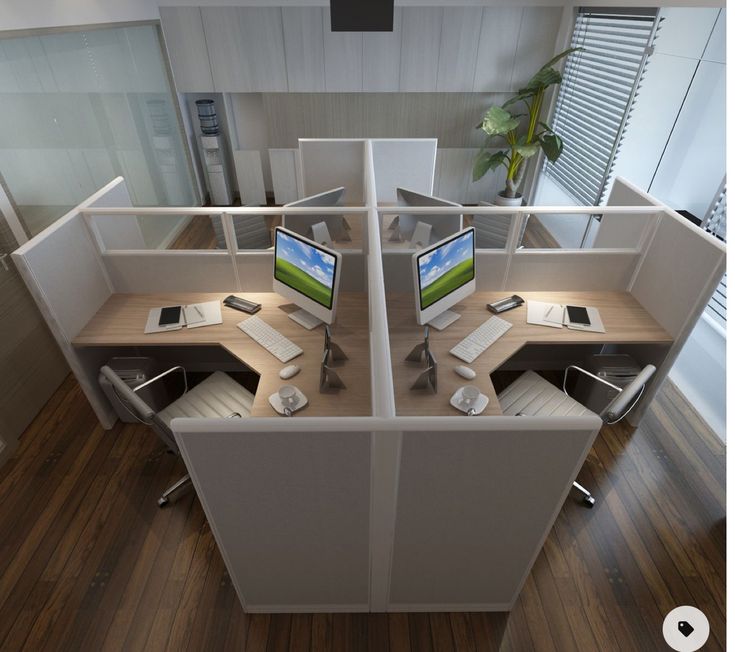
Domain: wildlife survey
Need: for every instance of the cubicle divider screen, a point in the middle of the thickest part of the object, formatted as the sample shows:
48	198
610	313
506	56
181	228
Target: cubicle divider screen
308	519
345	521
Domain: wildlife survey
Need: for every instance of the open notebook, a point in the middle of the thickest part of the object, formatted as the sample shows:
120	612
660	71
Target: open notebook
194	315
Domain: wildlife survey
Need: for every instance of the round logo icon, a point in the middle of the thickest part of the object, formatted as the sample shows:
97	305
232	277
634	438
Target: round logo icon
686	629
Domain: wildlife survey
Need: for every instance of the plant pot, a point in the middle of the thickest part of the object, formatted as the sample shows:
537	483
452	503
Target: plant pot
501	200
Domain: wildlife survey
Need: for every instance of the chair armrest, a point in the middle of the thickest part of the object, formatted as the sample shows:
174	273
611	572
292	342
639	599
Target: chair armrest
591	375
163	375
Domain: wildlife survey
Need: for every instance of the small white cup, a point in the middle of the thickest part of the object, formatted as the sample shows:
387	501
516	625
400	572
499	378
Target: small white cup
287	394
470	394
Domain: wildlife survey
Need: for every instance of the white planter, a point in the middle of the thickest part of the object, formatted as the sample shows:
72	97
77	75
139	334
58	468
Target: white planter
500	200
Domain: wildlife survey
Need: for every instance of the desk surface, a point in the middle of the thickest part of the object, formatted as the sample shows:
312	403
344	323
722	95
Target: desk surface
623	317
121	320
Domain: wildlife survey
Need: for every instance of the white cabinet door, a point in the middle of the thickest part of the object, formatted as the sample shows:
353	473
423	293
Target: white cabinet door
246	48
303	30
342	58
497	48
187	49
420	41
460	35
381	58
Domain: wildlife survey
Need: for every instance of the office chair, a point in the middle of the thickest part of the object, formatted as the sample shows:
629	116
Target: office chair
532	395
218	396
251	232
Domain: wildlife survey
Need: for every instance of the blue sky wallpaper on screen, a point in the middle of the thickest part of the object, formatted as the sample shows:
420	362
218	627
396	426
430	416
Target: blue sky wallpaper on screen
317	264
435	263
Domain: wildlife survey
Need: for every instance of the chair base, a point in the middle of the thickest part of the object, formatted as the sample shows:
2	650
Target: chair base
589	500
175	491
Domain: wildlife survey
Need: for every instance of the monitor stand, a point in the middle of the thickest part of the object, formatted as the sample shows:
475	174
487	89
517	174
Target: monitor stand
441	321
320	234
305	318
421	237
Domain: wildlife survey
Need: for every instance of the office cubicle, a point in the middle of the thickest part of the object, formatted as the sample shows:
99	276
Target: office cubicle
377	476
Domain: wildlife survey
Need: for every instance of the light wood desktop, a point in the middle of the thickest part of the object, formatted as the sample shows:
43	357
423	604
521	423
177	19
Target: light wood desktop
121	320
623	317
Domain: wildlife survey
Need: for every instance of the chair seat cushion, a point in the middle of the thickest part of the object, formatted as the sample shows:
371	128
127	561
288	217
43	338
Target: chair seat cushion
216	397
532	395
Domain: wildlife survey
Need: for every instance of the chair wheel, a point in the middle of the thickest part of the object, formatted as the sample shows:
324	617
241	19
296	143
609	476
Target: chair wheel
162	502
589	502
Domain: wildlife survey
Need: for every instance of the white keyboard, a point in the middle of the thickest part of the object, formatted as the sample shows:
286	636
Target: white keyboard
270	339
480	339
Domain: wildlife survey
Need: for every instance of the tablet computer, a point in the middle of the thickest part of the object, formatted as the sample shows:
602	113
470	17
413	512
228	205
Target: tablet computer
578	315
170	316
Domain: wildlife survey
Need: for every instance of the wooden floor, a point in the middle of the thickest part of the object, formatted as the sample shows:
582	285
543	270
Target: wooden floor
89	562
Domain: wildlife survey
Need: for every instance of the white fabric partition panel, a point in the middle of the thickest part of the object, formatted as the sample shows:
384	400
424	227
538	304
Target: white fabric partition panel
289	506
331	163
171	271
619	230
474	506
402	163
586	269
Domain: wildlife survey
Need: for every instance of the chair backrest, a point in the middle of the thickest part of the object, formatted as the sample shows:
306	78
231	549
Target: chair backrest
139	407
251	232
624	401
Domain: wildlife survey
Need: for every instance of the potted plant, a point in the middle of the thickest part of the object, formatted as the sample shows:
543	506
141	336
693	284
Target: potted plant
521	144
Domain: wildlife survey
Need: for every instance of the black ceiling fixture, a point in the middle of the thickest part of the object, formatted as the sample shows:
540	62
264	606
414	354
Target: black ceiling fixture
361	15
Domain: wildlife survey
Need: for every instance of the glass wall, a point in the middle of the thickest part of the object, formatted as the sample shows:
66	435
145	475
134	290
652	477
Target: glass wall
81	107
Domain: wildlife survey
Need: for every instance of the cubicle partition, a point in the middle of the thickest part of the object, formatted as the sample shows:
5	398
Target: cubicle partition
355	513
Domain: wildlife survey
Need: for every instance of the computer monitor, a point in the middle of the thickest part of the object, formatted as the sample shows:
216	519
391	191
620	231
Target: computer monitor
427	227
307	274
444	274
304	224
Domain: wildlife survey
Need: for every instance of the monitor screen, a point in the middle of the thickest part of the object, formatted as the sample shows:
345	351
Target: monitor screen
446	267
305	267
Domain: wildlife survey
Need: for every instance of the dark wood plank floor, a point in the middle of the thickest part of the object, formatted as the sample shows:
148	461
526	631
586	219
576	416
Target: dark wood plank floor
89	562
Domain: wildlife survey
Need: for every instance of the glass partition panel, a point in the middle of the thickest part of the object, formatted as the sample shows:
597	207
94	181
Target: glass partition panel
82	107
557	231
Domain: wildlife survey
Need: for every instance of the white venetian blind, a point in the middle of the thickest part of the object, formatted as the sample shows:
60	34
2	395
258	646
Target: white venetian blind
716	224
596	95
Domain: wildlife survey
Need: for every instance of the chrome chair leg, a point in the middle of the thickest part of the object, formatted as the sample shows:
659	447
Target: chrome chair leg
183	483
589	501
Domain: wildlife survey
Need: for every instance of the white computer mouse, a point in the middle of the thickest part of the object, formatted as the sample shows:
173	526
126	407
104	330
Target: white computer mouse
465	372
289	372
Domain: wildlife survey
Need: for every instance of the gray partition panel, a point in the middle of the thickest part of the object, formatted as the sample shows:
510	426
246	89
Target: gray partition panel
291	514
473	509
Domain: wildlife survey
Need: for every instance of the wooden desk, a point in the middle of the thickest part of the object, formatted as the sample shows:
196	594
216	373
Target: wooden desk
121	320
623	317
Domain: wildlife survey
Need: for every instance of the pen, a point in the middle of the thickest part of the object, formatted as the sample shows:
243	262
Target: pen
548	312
201	314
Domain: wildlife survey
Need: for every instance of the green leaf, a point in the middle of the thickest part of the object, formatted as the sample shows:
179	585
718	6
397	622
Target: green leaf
498	121
560	56
545	126
528	150
552	146
518	98
486	161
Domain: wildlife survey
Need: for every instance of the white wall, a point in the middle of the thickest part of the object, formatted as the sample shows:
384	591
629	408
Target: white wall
675	148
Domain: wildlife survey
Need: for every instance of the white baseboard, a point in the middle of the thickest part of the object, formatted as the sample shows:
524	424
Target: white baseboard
175	232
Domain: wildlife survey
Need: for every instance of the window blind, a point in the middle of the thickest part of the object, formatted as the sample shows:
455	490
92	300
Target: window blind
716	223
596	95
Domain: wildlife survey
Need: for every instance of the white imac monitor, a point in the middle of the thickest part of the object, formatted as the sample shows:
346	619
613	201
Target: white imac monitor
304	225
443	275
432	227
307	274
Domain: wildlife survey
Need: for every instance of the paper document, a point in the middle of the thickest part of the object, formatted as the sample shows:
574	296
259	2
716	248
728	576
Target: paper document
203	314
595	325
545	314
194	316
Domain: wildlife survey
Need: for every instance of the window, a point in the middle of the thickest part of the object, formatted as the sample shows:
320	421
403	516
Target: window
716	224
598	91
